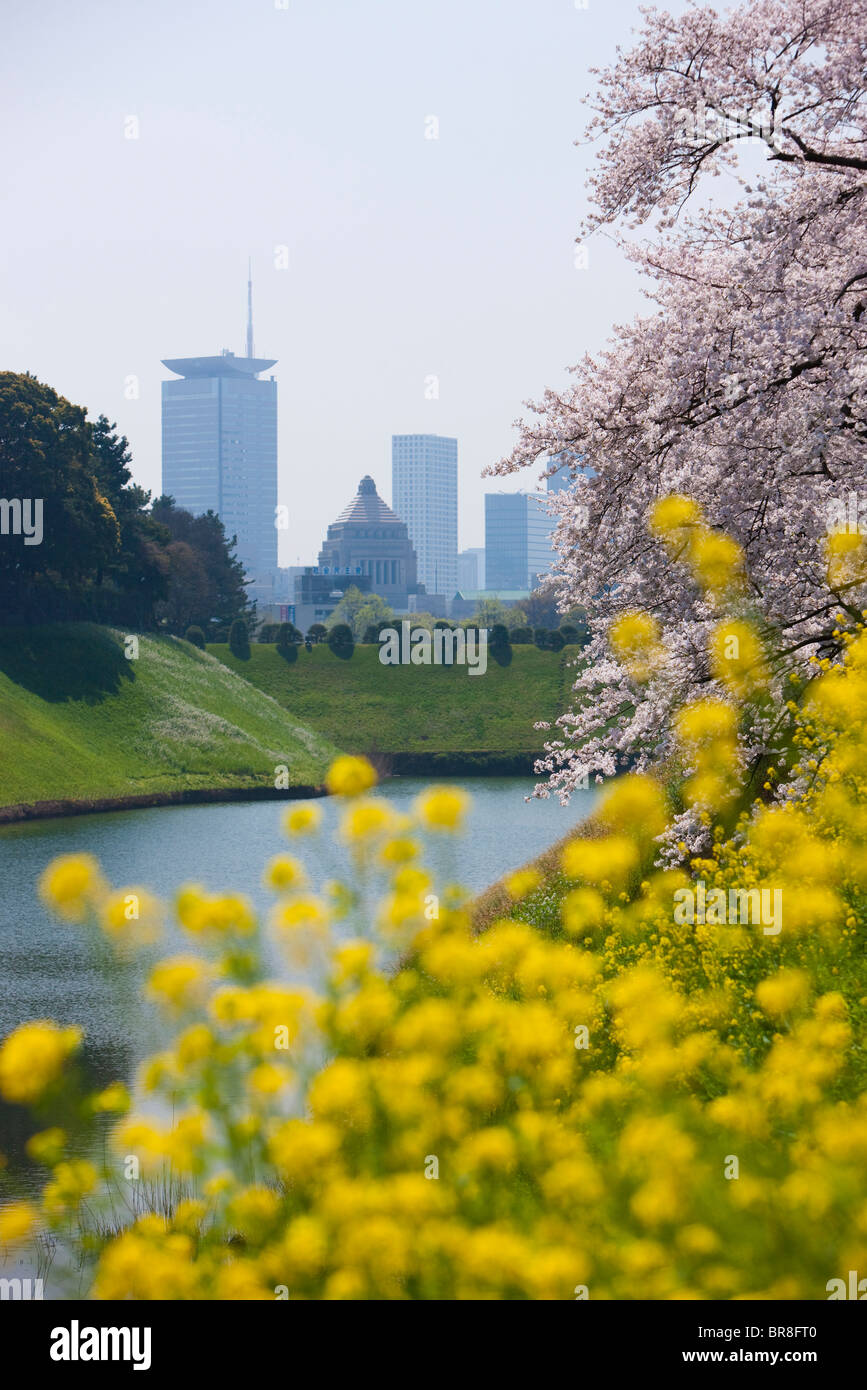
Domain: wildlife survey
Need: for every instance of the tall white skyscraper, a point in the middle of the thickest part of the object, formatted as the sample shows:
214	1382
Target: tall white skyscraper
220	446
424	493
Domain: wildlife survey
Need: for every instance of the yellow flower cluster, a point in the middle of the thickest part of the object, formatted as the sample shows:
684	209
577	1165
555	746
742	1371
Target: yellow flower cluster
635	638
32	1058
594	1097
714	558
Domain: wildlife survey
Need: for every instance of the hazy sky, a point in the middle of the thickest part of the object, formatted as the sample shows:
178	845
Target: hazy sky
303	127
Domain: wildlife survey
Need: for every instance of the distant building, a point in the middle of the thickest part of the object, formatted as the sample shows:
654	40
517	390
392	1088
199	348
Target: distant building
219	445
424	493
367	546
318	592
518	547
562	479
471	568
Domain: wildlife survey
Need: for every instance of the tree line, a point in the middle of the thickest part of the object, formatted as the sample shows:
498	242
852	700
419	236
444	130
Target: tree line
107	553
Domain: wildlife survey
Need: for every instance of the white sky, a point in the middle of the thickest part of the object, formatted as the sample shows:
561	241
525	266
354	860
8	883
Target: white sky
304	127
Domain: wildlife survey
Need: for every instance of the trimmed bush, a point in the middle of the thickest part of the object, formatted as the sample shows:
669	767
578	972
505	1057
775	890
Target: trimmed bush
195	637
288	640
340	640
521	636
239	641
499	645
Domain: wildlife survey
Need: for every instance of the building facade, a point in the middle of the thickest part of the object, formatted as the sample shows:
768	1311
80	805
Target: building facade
424	493
219	437
368	541
318	591
471	568
518	549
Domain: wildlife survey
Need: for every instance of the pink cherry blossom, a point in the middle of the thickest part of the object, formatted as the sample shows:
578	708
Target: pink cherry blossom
744	385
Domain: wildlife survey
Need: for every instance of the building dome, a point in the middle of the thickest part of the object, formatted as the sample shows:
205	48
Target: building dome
366	509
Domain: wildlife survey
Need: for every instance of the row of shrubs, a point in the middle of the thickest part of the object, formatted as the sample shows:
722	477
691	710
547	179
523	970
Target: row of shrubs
288	638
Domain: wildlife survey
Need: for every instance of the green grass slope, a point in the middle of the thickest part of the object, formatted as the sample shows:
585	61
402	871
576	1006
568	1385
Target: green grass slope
365	706
79	720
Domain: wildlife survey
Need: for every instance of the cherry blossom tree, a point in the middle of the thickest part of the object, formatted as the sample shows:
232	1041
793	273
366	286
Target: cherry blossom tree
744	386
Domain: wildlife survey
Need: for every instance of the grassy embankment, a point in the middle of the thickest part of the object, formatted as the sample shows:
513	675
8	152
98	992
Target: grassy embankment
419	718
81	723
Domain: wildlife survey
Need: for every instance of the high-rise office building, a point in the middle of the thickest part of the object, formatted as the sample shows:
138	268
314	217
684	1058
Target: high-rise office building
220	447
424	493
518	547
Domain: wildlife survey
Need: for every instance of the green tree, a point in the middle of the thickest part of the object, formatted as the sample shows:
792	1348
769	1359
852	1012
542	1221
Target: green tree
492	611
51	491
360	611
206	582
195	636
136	577
541	609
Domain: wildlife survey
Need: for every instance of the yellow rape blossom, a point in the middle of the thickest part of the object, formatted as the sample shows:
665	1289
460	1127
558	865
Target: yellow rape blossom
303	819
72	885
350	776
442	808
32	1058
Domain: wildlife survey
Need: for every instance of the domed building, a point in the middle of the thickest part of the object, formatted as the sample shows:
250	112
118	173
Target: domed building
368	546
369	538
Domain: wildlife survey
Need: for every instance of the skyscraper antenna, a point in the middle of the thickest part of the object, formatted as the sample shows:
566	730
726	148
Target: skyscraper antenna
250	352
